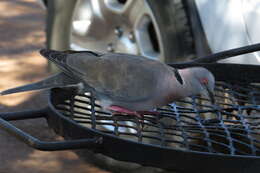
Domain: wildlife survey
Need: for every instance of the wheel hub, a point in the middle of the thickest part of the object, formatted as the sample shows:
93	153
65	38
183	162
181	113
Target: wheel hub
115	26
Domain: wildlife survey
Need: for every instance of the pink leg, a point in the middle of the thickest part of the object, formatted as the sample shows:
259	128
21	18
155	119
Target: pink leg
124	111
139	114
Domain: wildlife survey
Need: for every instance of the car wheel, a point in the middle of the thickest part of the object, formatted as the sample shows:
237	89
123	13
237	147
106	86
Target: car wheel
157	30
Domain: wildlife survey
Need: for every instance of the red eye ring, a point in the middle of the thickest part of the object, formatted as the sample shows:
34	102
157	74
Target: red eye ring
204	81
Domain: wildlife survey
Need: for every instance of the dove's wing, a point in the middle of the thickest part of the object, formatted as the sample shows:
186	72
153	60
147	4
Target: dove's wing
117	76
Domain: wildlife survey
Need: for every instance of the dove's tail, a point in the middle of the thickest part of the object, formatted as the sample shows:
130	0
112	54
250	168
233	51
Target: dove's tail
58	80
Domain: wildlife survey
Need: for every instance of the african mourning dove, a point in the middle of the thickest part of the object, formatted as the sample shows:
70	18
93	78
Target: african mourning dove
122	82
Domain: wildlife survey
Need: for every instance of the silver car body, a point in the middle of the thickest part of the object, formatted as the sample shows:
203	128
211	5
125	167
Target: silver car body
230	24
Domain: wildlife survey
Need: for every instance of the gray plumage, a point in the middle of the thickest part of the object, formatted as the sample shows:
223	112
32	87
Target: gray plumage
132	82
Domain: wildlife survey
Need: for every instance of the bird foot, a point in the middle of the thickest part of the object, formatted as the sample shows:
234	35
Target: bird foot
139	114
121	110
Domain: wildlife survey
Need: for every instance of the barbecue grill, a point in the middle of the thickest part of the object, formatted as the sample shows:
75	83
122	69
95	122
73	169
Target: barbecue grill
187	135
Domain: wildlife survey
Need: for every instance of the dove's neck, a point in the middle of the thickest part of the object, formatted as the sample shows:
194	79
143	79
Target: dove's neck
185	75
191	84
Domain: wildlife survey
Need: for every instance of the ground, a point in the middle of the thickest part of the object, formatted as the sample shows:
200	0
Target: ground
22	28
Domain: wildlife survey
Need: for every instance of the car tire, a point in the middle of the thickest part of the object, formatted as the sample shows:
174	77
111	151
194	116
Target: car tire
175	29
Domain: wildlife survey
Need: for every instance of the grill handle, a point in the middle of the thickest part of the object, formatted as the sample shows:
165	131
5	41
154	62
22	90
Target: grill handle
225	54
36	143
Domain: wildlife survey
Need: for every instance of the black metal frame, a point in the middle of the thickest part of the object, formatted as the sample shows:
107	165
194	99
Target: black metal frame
36	143
80	137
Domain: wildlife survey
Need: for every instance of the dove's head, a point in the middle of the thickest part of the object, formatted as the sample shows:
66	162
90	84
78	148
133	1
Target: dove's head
202	81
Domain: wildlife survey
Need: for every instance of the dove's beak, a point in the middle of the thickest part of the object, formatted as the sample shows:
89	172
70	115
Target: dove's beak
210	93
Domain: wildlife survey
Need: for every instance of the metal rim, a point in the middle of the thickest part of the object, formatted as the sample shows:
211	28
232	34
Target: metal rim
126	26
114	146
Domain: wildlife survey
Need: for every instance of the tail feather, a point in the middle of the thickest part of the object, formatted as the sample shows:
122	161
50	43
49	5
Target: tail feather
29	87
58	80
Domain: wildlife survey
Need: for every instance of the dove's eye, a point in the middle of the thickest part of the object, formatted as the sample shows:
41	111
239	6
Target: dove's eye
204	81
178	76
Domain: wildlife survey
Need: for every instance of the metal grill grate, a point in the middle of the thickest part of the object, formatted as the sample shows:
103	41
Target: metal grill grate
231	126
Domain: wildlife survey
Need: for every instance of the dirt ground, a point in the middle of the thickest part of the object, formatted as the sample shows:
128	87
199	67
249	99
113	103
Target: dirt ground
22	24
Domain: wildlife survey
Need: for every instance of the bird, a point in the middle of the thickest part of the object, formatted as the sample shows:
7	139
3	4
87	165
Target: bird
123	83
